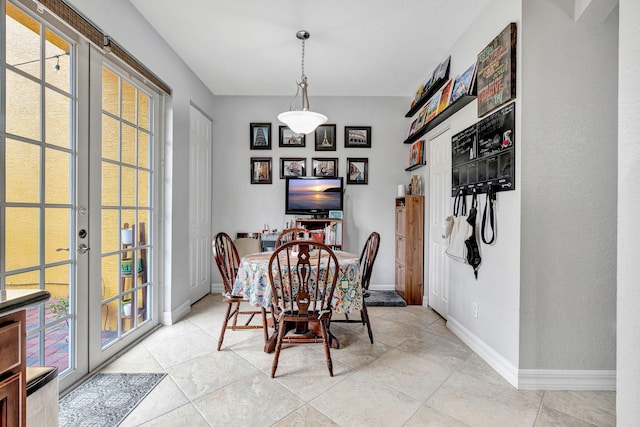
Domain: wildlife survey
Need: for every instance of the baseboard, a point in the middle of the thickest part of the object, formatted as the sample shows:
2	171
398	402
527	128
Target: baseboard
547	379
489	355
535	379
171	317
380	287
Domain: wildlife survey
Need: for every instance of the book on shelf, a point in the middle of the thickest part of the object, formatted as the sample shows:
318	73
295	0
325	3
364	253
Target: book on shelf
445	96
416	154
463	84
432	106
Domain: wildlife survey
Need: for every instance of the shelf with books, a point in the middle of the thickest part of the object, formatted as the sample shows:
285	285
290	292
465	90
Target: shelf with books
426	91
426	97
441	117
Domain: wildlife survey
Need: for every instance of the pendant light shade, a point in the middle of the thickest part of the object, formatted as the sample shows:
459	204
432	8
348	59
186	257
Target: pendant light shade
303	120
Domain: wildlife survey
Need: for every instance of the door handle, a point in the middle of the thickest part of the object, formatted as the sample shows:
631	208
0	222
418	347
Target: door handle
82	248
62	249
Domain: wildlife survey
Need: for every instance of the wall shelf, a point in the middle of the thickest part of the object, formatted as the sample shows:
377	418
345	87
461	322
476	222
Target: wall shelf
414	167
444	115
427	96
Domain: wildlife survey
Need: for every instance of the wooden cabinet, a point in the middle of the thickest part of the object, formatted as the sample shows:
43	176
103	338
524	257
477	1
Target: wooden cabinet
12	370
409	271
331	229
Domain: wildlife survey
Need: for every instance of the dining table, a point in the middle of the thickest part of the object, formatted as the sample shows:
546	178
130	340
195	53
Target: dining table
252	283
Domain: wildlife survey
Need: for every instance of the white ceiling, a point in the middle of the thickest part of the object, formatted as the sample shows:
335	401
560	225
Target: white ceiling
357	47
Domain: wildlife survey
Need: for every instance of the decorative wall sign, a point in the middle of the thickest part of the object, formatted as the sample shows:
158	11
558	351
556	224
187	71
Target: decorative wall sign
484	154
496	74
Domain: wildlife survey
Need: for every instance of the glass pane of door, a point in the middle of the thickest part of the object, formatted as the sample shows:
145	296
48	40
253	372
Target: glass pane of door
37	202
126	211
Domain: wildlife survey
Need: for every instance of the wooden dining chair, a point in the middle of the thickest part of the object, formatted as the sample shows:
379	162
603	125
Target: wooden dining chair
303	276
367	257
289	234
227	260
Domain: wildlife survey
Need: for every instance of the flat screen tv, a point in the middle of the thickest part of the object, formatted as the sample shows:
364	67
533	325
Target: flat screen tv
313	195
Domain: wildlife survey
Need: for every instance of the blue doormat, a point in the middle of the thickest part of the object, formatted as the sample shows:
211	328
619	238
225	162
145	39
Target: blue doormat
105	399
385	299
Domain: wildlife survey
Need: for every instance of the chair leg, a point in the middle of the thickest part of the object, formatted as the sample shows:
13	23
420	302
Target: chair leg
365	320
274	366
235	317
265	325
324	326
224	326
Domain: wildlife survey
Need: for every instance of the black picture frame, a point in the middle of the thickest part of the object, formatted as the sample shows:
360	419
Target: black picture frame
260	136
357	170
324	166
288	138
261	170
293	166
325	138
357	136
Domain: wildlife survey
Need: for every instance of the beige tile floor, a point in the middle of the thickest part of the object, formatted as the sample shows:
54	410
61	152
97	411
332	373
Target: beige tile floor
416	374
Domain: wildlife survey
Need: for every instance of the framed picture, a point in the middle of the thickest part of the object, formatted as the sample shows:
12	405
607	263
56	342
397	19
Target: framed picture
357	170
261	170
325	138
289	138
416	155
260	136
324	166
357	136
292	166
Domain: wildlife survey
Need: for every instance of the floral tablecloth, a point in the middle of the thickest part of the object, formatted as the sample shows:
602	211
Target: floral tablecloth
252	282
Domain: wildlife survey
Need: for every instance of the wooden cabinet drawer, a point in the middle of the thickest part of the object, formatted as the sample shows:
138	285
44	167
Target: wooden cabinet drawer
10	343
11	403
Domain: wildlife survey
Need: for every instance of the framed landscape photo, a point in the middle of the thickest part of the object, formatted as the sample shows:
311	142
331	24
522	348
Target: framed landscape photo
357	170
325	138
324	166
261	170
260	136
357	136
288	138
292	166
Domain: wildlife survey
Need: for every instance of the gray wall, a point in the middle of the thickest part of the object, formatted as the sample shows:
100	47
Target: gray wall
628	350
239	205
568	174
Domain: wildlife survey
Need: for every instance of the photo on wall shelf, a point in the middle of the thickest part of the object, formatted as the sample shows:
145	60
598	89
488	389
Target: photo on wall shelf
416	155
463	84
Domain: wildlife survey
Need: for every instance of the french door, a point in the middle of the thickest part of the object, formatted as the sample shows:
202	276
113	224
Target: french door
77	169
122	215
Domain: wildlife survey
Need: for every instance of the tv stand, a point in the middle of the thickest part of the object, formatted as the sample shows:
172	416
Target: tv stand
332	228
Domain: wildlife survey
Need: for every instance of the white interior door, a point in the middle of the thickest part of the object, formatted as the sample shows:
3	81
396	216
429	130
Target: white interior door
200	159
440	196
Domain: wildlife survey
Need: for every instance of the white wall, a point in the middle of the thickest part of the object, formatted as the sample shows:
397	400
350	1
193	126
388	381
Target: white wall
239	205
569	170
494	334
628	348
126	26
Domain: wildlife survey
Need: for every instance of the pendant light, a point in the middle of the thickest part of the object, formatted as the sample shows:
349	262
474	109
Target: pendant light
302	121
